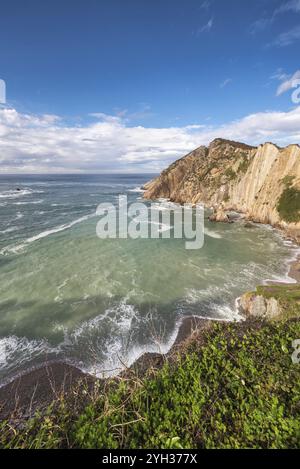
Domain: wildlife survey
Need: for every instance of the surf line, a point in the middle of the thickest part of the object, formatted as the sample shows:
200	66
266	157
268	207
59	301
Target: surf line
44	234
125	221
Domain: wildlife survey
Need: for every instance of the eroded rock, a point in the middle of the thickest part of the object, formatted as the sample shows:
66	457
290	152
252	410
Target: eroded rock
238	177
254	305
220	216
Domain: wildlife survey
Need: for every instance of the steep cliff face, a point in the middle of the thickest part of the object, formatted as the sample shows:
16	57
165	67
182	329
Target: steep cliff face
261	182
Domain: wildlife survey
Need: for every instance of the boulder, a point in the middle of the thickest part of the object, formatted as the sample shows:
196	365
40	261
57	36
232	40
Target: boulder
257	306
220	216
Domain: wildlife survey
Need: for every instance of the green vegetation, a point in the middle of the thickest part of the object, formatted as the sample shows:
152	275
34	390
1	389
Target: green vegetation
233	386
289	205
230	173
288	297
244	165
288	180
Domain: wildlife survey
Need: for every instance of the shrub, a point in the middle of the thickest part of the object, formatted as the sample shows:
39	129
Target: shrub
230	173
244	165
288	205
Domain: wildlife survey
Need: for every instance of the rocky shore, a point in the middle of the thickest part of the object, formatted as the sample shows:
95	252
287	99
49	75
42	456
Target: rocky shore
225	176
37	388
262	183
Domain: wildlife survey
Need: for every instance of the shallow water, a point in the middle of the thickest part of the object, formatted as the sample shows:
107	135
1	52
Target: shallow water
65	294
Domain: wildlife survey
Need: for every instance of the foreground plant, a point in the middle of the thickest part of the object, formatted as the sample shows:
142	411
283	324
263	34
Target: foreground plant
234	387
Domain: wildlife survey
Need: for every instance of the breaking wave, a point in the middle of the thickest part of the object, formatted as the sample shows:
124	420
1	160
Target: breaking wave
44	234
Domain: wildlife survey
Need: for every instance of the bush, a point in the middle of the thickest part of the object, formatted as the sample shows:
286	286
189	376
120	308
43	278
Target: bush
230	173
289	205
244	165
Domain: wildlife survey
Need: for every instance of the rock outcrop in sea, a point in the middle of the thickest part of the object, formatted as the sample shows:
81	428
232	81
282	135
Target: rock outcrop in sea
263	182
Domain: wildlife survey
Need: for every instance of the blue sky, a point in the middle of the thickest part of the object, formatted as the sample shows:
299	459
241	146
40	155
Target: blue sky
111	67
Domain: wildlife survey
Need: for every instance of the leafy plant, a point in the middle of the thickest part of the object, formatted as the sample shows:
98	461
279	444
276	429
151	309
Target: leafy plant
233	386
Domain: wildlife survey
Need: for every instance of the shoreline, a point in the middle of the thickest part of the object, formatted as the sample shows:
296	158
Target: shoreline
37	387
294	271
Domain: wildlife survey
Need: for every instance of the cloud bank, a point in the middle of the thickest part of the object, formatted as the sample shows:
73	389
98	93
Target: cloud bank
46	144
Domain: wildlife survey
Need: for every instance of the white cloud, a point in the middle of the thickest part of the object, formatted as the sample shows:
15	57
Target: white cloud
260	25
287	38
206	4
292	5
31	143
206	27
280	75
101	116
226	82
288	82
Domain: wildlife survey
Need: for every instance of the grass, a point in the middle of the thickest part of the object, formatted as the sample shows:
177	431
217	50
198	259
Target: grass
286	292
287	295
233	387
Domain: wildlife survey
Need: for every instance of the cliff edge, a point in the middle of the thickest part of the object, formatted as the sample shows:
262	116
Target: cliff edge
261	182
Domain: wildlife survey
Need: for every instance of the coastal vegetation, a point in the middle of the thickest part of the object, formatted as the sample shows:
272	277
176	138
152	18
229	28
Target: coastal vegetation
289	205
244	165
230	174
231	386
287	296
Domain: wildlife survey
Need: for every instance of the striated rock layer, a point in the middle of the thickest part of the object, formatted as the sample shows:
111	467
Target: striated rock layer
261	182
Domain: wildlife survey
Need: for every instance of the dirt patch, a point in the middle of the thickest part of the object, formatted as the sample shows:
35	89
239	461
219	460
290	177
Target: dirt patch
39	388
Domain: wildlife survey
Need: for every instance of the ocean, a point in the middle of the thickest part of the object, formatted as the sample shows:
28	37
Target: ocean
67	295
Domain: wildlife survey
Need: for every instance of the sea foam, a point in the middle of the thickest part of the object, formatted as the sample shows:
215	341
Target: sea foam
44	234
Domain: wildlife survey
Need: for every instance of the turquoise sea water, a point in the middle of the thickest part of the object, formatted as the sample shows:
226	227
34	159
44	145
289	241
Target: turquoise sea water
66	294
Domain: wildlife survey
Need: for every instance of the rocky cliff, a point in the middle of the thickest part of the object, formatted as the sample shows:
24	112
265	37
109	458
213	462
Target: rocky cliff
261	182
272	302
